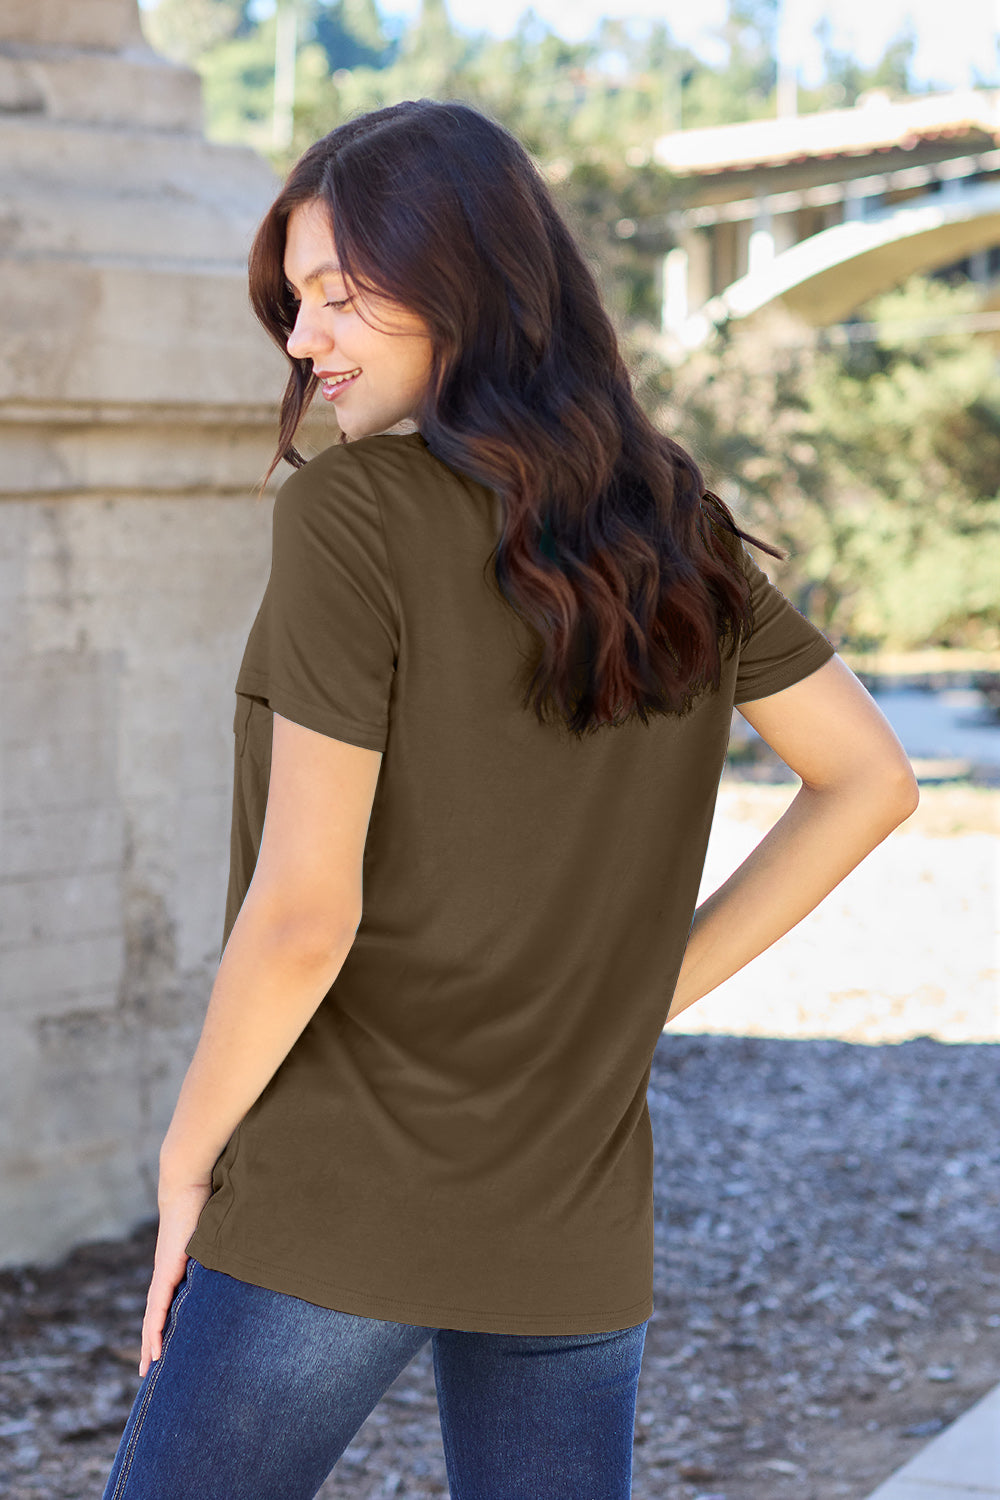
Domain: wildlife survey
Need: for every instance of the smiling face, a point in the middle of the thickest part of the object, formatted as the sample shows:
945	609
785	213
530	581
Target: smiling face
375	374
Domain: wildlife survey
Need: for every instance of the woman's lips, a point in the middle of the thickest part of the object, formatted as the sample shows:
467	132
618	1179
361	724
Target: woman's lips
333	385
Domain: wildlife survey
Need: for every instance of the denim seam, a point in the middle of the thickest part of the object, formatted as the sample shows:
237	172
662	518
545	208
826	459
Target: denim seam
126	1468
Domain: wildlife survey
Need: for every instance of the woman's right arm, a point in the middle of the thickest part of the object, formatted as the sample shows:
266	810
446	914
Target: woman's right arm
857	786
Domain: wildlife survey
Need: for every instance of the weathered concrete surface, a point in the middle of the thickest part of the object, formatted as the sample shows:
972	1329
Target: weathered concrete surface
137	413
106	24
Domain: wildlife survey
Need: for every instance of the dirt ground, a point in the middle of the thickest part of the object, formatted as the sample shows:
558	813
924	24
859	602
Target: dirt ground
827	1279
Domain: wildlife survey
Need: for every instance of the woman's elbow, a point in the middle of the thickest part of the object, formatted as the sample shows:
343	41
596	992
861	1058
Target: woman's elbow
903	791
892	784
884	785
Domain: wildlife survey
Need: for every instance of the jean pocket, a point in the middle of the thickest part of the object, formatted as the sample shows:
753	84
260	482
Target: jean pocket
181	1292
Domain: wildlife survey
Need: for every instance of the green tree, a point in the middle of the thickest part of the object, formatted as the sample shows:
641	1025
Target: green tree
744	88
876	464
238	86
351	34
846	78
185	30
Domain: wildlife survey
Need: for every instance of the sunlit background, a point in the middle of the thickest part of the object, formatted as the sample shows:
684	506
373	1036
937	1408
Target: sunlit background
956	45
793	211
794	215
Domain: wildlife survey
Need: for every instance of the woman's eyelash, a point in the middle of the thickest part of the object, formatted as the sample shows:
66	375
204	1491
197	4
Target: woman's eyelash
296	301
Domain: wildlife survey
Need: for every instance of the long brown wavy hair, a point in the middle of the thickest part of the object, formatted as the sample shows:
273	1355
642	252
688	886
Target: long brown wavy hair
611	549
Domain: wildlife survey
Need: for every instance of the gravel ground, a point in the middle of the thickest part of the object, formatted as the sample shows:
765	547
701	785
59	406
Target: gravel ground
828	1242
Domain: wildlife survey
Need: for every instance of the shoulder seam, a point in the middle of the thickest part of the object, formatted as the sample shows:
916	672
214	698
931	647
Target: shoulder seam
373	493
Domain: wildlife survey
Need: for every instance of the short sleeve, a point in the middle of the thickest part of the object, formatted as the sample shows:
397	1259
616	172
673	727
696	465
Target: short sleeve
783	646
324	646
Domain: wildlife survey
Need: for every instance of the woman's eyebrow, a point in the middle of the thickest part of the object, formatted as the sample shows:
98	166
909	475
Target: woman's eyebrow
326	268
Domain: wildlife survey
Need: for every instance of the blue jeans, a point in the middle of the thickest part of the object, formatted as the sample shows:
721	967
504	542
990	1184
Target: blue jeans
257	1394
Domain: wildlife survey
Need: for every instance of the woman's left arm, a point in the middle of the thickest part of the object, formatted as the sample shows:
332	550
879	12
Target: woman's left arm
295	927
857	786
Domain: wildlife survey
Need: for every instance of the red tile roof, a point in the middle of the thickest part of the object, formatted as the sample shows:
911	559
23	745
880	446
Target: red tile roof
876	125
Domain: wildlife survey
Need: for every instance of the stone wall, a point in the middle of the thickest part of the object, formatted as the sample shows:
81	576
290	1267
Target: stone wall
137	413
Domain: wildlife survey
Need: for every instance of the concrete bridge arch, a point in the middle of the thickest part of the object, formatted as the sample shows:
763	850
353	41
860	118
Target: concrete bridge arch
824	278
810	216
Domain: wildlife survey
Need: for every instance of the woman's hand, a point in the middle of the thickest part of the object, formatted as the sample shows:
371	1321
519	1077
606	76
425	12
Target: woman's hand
180	1208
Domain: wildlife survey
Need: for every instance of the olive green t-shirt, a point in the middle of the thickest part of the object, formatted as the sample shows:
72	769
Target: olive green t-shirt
460	1137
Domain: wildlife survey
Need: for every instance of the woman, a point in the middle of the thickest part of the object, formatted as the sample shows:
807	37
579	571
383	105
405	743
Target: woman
491	682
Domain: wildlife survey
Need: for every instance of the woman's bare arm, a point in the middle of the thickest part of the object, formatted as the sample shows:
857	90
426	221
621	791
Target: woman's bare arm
857	786
296	926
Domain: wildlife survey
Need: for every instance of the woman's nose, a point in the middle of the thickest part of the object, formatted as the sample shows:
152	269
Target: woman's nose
304	339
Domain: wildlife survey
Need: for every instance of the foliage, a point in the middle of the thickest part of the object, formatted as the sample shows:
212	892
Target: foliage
846	79
745	88
185	30
352	35
877	465
874	464
604	99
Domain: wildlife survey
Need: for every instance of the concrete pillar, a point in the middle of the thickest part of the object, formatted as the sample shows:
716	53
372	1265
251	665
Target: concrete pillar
855	202
789	50
698	244
109	25
137	412
761	249
675	290
687	283
285	54
86	61
785	231
953	188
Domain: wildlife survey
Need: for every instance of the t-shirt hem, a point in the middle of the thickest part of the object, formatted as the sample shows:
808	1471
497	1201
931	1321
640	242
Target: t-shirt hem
787	673
403	1310
311	716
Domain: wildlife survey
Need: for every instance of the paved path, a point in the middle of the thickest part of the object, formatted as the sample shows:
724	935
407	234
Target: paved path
907	945
962	1464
